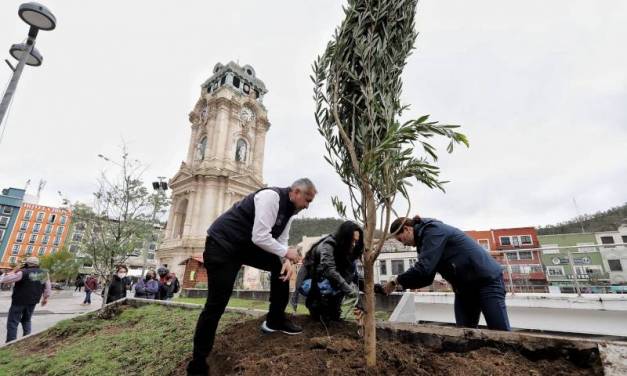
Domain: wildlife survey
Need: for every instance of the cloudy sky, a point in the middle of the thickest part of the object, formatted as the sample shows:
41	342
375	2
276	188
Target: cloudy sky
540	88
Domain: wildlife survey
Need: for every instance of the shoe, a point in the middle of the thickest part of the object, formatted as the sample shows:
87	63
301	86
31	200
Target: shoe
195	368
285	326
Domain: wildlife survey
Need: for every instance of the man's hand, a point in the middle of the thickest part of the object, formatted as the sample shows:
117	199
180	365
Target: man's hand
358	313
390	287
293	255
44	301
286	271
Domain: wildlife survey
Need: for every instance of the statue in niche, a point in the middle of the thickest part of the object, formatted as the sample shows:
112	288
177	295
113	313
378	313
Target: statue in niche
200	149
240	150
204	114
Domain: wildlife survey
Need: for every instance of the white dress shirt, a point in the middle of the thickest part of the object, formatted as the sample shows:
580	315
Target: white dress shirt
266	211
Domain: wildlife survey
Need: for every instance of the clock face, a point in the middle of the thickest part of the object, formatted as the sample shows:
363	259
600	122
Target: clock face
246	115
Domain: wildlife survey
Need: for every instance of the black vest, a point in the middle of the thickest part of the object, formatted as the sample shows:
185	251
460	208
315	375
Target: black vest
29	289
233	230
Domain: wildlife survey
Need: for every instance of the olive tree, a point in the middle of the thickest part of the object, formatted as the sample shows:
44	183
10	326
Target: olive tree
357	90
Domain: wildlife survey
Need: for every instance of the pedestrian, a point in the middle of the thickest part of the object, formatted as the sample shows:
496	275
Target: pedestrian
91	284
119	284
475	276
168	284
147	287
329	272
252	232
32	285
78	283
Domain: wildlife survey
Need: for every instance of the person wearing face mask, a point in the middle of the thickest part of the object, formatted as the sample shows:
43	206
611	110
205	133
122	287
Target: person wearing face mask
253	232
147	287
119	284
475	276
329	272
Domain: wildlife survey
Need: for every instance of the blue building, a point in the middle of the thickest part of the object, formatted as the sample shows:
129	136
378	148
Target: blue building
10	203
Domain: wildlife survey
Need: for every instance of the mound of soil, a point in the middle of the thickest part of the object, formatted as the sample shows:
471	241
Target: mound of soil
242	349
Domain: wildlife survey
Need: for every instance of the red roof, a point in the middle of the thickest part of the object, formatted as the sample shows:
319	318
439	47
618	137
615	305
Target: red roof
197	258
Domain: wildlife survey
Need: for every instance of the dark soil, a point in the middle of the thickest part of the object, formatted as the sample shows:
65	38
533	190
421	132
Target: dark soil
242	349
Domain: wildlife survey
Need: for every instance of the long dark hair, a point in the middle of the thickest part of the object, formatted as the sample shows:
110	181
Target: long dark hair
395	227
342	253
343	241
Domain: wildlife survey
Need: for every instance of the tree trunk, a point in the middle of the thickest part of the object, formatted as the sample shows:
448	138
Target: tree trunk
370	332
105	292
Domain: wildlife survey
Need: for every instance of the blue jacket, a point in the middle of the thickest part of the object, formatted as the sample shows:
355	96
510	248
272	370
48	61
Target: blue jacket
449	251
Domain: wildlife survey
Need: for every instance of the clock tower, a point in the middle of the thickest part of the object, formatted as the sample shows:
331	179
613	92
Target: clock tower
224	160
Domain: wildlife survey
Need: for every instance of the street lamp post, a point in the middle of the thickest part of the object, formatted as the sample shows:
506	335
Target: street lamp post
159	187
39	18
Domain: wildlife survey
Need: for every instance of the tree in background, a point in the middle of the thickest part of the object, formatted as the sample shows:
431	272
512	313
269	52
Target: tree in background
61	266
120	219
357	89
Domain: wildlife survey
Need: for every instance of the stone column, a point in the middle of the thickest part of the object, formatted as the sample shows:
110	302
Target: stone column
192	144
258	149
191	203
221	129
171	226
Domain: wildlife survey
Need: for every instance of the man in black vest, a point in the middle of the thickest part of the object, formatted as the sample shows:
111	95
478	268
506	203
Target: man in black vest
253	232
30	284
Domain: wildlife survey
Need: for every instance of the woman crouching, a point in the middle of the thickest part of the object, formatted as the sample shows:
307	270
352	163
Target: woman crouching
329	272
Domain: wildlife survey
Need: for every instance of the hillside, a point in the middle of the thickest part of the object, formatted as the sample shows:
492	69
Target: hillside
312	227
608	220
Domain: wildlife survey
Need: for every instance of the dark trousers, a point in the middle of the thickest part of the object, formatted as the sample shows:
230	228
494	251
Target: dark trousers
19	313
489	299
222	268
87	296
326	308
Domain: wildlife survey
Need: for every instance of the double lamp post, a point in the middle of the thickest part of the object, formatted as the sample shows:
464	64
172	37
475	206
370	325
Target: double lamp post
38	17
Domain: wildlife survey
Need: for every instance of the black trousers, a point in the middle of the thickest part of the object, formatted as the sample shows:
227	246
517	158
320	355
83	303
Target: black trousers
222	268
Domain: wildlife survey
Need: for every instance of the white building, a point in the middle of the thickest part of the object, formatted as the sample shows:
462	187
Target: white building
614	256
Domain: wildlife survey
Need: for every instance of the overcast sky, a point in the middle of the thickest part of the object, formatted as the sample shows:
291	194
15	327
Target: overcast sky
539	87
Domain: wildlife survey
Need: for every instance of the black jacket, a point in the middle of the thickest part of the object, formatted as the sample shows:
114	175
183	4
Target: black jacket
29	289
449	251
233	229
117	289
322	258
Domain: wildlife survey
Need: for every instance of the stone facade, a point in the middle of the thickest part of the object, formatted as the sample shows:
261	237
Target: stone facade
224	160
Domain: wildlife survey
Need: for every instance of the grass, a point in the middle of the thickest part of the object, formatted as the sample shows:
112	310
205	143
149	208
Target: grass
150	340
261	304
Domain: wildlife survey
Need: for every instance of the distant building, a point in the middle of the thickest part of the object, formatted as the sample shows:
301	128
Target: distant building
517	250
38	231
10	203
614	253
573	260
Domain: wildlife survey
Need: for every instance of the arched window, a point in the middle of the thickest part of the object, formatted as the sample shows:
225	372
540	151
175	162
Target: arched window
201	147
241	150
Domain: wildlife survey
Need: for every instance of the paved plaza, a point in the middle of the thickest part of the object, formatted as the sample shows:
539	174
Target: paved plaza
61	305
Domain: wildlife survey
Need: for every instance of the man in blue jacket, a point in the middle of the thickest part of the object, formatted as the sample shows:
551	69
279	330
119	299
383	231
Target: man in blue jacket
476	277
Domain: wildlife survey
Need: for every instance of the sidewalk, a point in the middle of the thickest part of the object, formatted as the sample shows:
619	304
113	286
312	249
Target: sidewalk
61	305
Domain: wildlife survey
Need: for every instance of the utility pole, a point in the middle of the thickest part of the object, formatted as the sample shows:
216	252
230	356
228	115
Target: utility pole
579	217
160	187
